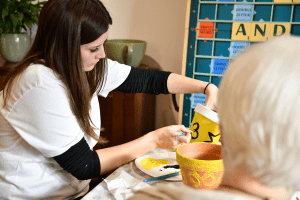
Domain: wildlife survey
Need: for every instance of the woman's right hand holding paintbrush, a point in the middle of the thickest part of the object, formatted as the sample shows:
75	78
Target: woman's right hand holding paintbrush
165	138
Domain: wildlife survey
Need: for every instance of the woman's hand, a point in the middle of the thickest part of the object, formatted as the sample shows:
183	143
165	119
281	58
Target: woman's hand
165	138
211	97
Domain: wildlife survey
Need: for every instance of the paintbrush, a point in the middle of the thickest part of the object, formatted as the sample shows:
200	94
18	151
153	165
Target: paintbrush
162	177
182	133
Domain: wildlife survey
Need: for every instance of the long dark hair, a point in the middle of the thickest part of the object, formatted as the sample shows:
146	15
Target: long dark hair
63	26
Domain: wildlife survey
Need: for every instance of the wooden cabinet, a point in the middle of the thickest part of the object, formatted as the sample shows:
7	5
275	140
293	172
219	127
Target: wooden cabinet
124	116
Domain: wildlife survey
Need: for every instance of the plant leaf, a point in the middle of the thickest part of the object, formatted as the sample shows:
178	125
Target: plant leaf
14	21
35	9
4	14
20	16
15	14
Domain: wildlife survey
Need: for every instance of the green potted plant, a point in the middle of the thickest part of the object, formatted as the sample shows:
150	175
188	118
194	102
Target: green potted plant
16	18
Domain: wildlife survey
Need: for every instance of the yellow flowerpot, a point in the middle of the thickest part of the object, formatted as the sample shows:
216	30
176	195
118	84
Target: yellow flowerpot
201	165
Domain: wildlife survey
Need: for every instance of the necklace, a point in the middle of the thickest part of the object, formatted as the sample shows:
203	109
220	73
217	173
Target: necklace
232	188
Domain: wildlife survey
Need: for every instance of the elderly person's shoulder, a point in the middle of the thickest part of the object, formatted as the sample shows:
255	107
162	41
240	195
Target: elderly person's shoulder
174	192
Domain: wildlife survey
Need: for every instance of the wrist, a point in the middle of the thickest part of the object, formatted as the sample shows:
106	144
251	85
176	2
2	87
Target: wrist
151	139
211	88
205	89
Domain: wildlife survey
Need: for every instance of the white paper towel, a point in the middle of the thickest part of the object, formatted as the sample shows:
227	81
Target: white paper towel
121	184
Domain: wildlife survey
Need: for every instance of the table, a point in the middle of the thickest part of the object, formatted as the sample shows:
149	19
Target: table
101	191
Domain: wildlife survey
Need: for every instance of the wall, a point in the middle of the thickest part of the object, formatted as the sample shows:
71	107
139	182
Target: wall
161	24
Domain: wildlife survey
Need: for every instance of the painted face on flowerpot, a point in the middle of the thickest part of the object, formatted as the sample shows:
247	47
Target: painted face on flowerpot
205	126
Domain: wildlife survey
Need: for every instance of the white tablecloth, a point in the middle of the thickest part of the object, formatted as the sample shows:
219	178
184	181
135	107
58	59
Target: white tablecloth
101	191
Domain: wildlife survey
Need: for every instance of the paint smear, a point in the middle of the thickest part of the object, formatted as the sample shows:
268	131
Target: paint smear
172	166
149	163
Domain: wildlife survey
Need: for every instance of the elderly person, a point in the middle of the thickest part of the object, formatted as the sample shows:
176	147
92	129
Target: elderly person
259	111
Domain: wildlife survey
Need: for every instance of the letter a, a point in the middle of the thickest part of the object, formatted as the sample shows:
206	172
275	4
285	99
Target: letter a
243	29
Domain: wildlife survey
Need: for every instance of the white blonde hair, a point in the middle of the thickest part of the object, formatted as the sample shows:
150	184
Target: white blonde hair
259	109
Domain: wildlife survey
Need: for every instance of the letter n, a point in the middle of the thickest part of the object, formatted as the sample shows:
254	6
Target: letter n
262	32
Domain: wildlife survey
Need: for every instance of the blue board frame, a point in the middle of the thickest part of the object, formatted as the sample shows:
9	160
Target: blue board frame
208	58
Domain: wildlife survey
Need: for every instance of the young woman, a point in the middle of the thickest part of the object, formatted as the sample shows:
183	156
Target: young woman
259	111
49	110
